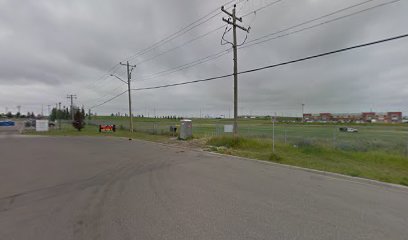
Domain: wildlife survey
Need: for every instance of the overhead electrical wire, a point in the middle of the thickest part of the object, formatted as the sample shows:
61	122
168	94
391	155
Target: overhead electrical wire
260	68
254	41
187	65
90	102
325	16
181	45
276	65
261	8
109	100
177	34
166	39
182	31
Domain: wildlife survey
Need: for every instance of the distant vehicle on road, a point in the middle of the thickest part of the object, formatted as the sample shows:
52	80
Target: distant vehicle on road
348	129
7	123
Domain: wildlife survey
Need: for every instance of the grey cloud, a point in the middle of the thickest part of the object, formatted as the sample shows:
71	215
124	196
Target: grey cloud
67	46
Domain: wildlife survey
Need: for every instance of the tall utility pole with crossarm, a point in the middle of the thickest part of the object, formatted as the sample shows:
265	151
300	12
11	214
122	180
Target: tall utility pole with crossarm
235	49
129	76
72	97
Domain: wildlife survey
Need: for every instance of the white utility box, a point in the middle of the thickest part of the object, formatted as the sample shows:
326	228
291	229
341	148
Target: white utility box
186	129
41	125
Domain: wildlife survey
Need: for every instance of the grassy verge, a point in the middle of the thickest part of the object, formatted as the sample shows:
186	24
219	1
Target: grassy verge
68	130
375	165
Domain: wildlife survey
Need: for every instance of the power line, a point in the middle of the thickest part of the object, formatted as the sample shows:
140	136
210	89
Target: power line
319	18
277	65
219	54
109	100
181	32
115	67
254	41
106	95
181	45
262	8
187	65
317	25
327	53
170	37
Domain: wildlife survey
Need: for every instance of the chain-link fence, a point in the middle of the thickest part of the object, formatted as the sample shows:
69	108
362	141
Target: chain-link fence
392	139
389	138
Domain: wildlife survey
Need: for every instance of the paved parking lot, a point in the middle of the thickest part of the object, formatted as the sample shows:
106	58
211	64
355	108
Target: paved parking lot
111	188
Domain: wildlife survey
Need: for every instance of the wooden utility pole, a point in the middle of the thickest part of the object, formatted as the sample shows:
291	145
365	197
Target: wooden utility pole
72	97
235	50
58	116
129	76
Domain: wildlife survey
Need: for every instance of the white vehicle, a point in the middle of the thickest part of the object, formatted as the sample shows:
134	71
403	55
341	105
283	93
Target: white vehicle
348	129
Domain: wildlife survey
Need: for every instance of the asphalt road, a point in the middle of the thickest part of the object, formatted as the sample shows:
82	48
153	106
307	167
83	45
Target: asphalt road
105	188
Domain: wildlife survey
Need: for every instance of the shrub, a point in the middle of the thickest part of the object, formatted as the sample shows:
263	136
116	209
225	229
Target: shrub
79	122
275	158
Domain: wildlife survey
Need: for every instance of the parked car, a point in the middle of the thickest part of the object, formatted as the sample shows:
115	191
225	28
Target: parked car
348	129
7	123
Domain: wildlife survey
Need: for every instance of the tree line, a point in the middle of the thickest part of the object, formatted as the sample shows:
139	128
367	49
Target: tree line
64	114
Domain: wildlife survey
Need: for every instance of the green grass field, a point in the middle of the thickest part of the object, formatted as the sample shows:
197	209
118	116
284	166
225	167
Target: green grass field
378	165
391	138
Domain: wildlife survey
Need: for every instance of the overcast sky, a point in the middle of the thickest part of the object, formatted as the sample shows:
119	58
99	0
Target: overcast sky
51	48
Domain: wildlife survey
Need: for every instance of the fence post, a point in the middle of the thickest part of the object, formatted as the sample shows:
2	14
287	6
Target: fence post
334	137
286	134
406	151
273	135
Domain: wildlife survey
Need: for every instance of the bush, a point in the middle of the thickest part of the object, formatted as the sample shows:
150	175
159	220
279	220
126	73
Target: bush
275	158
79	122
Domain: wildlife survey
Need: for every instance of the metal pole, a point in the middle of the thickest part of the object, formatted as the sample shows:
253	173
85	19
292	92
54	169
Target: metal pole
58	115
273	134
334	137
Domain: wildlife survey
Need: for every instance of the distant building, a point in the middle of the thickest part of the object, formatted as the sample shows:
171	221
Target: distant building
394	117
368	117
